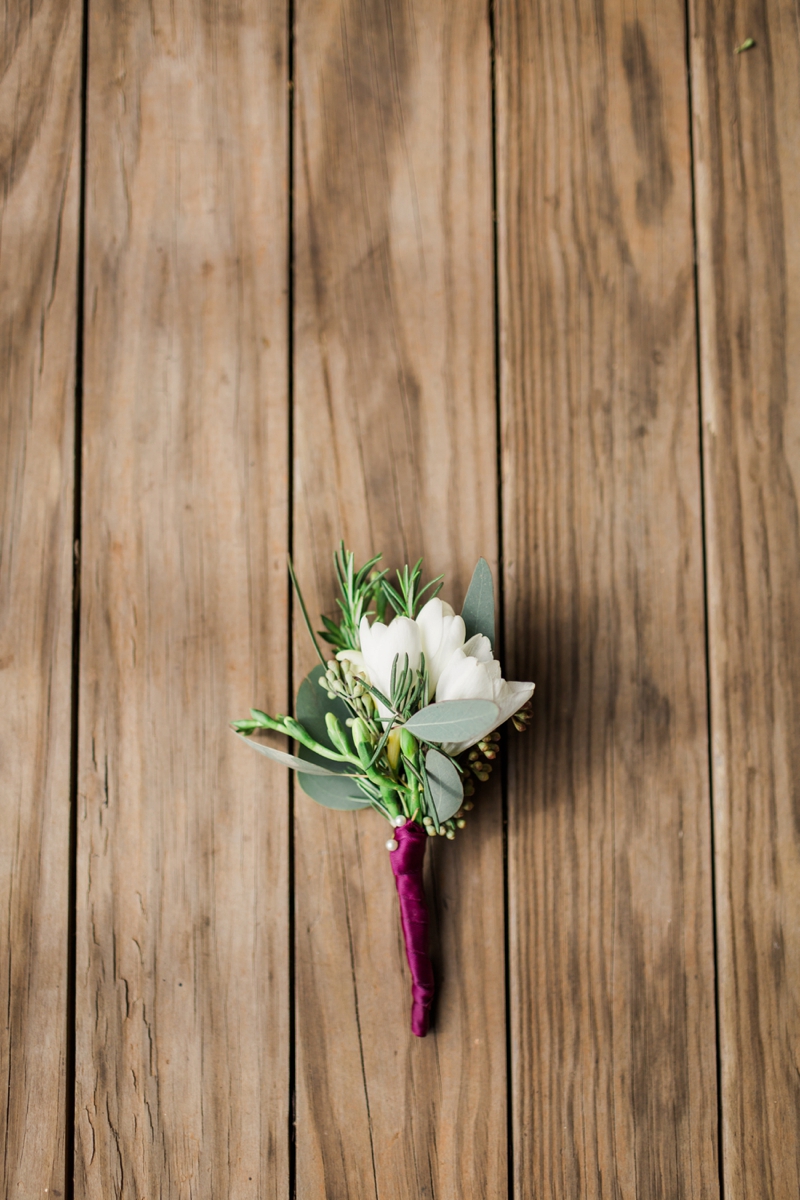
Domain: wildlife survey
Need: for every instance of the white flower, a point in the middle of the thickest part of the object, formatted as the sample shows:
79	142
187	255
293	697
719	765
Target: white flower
442	633
436	632
457	670
380	644
473	673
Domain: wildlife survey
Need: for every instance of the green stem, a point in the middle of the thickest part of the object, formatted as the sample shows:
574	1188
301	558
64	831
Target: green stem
311	633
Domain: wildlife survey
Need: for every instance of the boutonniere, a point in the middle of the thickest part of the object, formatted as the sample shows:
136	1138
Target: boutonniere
403	717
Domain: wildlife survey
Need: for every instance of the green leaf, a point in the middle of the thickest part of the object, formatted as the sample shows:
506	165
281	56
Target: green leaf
478	610
332	793
444	783
311	706
454	720
289	760
305	612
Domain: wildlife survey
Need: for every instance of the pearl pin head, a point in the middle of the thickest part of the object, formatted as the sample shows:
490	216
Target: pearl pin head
391	844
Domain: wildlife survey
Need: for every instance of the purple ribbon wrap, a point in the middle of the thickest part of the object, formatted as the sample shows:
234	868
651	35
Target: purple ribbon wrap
407	860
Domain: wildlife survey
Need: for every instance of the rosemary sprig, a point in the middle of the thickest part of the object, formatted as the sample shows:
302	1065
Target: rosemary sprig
359	589
407	600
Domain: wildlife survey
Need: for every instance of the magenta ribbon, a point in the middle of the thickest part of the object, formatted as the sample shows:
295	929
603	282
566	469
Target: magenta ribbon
407	860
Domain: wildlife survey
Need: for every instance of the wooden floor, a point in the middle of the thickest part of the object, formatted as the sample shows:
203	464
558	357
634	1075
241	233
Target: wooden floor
442	279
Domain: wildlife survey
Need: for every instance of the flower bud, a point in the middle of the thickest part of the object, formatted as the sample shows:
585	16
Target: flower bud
336	733
393	748
361	740
408	744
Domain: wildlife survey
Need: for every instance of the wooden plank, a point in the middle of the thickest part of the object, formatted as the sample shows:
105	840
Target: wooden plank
182	958
395	452
40	110
611	961
746	134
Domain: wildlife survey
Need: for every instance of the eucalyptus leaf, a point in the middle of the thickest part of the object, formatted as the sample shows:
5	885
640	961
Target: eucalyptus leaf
444	783
311	706
289	760
478	610
332	792
454	720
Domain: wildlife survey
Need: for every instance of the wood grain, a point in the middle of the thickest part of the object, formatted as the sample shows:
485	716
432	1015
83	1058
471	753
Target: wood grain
395	452
611	958
182	957
40	72
746	133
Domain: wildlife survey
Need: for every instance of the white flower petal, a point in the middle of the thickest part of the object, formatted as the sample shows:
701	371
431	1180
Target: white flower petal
442	633
464	678
355	657
380	644
509	696
479	647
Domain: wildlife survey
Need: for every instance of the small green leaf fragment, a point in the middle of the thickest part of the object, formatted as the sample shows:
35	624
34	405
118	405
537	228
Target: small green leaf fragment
747	44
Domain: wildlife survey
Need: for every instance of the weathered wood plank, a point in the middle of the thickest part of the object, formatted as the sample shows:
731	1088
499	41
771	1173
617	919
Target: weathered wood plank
40	108
395	452
747	172
182	957
611	961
